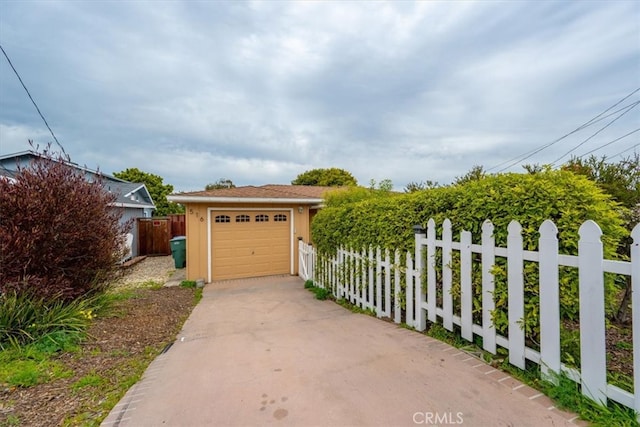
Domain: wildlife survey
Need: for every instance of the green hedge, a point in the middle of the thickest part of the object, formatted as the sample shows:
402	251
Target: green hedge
359	217
353	219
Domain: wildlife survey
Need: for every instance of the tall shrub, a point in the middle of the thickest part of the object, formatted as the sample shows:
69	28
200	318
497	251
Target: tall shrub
563	197
59	235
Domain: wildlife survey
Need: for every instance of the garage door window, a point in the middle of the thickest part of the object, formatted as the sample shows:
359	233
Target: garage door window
280	218
223	218
262	218
243	218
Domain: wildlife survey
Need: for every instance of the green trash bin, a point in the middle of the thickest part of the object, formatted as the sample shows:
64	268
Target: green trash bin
179	251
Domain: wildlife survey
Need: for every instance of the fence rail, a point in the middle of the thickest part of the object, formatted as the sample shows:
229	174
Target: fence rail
385	282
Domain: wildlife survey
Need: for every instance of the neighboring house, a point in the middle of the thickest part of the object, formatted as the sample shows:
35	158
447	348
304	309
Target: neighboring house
247	231
133	199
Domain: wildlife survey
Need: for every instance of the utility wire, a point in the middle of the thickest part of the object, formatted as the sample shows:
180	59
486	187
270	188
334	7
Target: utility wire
34	104
624	151
592	136
632	105
584	126
521	157
610	142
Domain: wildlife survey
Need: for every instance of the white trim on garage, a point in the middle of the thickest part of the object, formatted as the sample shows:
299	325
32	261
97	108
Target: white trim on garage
240	209
208	199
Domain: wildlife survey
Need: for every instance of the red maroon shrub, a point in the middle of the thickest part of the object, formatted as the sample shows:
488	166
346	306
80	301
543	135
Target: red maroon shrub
59	236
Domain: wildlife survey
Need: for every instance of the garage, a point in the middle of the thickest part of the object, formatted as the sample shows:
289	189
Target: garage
246	243
250	231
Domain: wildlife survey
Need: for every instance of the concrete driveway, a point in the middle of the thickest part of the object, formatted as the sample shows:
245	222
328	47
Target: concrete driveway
265	352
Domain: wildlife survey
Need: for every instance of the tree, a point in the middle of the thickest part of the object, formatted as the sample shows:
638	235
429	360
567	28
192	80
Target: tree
414	186
157	189
536	168
60	238
386	185
476	173
221	183
621	180
332	177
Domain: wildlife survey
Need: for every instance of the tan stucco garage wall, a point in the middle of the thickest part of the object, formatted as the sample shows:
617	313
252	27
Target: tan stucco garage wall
197	215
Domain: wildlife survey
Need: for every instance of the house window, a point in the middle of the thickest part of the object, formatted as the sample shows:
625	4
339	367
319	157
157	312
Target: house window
280	218
223	218
262	218
243	218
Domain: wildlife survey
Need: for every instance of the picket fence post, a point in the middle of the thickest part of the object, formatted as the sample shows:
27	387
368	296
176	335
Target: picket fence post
336	275
515	298
466	291
327	273
358	268
431	270
592	317
312	263
410	303
365	278
378	282
447	276
549	302
419	295
332	270
302	267
387	284
635	302
397	308
371	281
488	287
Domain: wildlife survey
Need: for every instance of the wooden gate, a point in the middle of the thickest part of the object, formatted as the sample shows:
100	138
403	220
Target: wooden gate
177	225
153	236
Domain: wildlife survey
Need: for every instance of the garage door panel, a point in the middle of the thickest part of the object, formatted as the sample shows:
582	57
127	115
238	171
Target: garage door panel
248	249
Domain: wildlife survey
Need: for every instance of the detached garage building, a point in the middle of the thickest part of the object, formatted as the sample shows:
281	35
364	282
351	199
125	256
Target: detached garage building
248	231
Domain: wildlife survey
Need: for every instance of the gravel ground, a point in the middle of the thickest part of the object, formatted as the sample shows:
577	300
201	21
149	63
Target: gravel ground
157	269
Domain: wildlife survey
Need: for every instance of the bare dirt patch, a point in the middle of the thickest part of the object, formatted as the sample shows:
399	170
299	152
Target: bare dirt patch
116	351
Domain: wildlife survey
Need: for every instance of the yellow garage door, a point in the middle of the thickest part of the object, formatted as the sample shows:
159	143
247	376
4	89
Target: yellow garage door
250	244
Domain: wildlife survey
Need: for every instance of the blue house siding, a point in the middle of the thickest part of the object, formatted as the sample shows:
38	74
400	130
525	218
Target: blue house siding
130	214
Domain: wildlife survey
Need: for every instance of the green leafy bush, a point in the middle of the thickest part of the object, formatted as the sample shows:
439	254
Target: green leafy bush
320	293
188	284
346	196
52	324
354	218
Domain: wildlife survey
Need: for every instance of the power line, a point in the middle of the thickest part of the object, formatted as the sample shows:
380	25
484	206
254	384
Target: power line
583	126
610	142
34	104
592	136
624	151
525	156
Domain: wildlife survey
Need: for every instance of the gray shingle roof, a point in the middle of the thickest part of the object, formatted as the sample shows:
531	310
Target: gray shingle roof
130	194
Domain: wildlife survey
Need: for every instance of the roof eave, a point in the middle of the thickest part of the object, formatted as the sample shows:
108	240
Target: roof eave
246	200
131	205
134	190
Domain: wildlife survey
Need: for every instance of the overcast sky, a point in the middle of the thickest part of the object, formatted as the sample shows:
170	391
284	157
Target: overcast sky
259	92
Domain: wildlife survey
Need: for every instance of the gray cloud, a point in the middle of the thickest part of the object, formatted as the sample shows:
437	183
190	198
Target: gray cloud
261	91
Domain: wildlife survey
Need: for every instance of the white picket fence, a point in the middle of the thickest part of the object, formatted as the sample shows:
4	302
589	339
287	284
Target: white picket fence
372	279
